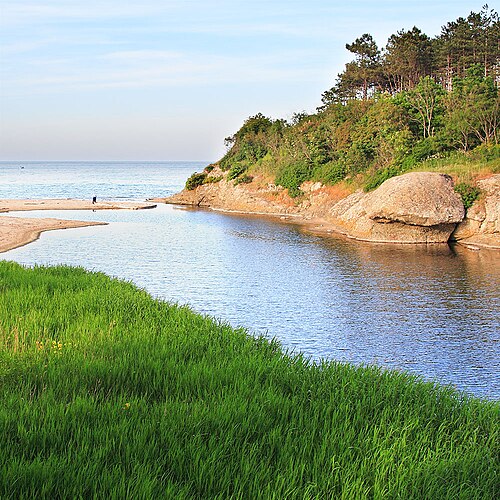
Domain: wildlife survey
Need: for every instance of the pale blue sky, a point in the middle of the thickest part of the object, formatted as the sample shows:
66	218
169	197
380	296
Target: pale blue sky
168	80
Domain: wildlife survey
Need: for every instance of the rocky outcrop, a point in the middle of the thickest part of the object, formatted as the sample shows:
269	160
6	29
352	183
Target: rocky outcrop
259	197
418	207
225	195
481	227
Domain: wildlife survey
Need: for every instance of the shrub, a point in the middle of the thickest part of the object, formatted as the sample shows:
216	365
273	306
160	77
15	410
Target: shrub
195	180
235	171
209	168
486	152
211	179
292	175
468	193
243	179
330	173
380	176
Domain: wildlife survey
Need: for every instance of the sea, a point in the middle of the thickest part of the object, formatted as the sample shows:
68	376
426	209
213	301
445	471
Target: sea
433	311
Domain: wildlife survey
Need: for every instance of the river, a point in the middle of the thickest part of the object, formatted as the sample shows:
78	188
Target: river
433	311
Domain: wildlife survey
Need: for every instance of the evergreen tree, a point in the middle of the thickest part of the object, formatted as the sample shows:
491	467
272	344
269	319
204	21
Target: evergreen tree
408	57
364	72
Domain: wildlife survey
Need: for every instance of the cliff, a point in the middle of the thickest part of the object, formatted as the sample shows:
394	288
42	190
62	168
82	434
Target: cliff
417	207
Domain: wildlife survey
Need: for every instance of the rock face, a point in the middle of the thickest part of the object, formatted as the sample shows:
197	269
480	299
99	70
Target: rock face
481	227
259	197
418	207
418	198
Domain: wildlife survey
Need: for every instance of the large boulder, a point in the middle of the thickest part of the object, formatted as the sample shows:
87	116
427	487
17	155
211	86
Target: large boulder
418	207
481	227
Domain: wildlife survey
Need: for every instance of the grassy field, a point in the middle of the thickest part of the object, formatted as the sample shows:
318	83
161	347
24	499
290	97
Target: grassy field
106	392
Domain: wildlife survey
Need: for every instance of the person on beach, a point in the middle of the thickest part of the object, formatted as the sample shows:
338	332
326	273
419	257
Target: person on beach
94	200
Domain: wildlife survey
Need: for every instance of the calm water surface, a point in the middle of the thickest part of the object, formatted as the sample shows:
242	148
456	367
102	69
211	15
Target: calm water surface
433	311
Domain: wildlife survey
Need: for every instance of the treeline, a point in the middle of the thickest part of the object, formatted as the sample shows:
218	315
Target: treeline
411	55
389	110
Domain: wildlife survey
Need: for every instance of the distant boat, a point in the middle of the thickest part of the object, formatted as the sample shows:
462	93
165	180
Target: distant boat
21	167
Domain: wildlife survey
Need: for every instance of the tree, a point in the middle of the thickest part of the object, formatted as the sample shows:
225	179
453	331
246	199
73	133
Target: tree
424	103
408	57
250	143
474	108
364	71
469	41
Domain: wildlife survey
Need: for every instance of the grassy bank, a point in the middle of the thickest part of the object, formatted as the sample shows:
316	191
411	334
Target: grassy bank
107	392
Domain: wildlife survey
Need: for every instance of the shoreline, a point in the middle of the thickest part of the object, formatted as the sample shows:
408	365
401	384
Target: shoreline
323	227
16	232
402	211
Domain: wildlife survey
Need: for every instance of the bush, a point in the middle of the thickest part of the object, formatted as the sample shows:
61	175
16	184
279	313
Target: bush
330	173
292	175
235	171
486	152
380	176
243	179
468	193
425	148
195	180
211	179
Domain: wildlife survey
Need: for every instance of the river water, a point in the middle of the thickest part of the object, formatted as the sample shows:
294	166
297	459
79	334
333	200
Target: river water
433	311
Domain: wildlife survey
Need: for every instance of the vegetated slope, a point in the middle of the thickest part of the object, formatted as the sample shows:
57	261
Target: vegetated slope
108	392
421	98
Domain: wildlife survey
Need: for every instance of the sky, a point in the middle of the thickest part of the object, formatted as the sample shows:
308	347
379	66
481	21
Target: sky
160	80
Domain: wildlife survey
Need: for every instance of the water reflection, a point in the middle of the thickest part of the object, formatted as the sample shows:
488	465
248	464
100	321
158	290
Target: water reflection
432	310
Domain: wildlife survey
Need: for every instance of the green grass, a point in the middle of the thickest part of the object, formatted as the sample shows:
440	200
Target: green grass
106	392
463	167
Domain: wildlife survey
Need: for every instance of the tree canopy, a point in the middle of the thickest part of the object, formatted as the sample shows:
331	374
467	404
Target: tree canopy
391	108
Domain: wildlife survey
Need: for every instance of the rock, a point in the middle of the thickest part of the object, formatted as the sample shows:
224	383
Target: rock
481	226
417	198
418	207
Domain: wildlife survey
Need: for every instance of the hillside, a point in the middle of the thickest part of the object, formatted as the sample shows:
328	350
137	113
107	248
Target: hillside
421	104
389	111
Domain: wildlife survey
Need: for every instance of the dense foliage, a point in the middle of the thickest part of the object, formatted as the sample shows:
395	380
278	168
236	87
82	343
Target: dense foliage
419	98
109	393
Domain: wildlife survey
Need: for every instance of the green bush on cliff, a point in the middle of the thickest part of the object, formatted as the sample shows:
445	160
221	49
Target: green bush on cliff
468	193
243	179
235	171
195	180
380	176
292	175
330	173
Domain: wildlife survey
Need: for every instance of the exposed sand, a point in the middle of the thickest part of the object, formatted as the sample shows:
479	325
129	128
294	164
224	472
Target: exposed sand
19	231
69	204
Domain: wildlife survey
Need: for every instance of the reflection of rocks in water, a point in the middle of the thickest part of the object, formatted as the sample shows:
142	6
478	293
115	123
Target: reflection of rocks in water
448	273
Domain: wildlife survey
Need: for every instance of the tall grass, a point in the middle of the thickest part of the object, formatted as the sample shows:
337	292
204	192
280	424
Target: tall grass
465	167
108	392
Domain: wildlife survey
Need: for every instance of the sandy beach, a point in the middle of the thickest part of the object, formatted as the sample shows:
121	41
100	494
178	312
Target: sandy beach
19	231
69	204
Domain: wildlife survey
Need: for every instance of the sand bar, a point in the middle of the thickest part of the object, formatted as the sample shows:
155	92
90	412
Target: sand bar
19	231
70	204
